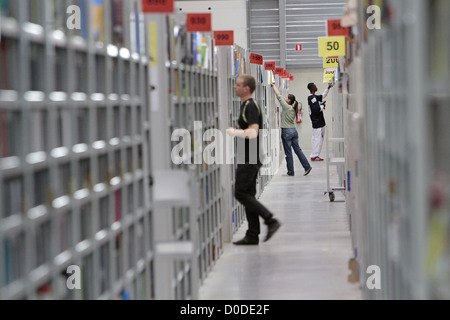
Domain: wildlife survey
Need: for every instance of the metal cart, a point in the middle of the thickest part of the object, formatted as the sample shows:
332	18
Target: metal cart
335	161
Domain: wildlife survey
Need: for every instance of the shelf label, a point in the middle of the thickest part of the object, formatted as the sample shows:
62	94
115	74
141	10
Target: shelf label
224	38
269	65
153	43
158	6
298	47
332	46
198	22
328	75
256	58
279	71
335	29
331	62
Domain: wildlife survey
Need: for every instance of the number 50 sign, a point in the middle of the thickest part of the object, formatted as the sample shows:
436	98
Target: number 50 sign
332	47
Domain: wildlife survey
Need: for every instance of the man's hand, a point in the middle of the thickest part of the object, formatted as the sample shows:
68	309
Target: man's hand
250	133
231	131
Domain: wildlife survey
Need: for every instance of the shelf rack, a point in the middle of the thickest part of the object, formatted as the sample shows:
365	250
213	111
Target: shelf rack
74	153
86	123
398	149
185	79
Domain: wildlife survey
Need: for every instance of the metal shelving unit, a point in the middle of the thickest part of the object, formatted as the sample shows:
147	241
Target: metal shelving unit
438	99
189	236
231	64
86	173
397	150
274	120
74	153
335	146
233	61
271	137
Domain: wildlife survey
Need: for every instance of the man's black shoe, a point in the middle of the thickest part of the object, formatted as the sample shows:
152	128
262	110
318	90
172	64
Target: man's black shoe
272	228
307	172
246	242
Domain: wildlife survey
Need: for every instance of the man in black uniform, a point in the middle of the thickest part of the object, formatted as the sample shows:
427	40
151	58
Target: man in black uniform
316	107
250	121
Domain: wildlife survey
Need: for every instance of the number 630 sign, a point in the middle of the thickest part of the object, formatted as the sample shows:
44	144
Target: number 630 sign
332	47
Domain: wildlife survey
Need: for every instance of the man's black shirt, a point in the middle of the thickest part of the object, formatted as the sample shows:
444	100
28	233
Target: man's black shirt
253	116
316	115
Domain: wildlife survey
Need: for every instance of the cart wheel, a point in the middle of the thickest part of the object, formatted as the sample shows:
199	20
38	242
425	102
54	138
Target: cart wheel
331	194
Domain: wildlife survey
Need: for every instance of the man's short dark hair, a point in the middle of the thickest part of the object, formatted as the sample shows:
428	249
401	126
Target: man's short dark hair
310	86
249	81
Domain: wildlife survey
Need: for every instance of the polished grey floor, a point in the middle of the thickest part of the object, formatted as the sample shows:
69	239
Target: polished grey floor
306	259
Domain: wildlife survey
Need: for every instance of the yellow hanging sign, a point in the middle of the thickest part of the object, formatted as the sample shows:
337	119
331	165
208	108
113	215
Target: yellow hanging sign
153	43
328	75
332	47
330	62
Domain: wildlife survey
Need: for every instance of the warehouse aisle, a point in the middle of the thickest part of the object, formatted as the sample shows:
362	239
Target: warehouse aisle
306	259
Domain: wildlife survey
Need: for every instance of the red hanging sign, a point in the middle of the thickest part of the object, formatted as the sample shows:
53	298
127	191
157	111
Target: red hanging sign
224	38
291	78
198	22
269	65
335	29
285	74
158	6
279	71
256	58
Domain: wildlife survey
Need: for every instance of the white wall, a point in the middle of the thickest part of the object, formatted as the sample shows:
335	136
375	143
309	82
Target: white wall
226	15
298	87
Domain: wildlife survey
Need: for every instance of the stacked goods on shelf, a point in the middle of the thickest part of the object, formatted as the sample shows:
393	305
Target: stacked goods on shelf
75	134
438	202
73	153
397	149
271	135
191	82
239	66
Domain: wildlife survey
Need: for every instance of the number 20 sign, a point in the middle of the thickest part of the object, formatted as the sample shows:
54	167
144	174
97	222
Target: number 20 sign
332	47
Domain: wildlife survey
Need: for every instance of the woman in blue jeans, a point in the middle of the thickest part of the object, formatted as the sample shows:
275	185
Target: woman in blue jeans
289	134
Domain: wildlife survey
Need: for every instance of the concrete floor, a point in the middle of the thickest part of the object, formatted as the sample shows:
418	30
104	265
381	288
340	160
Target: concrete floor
307	259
